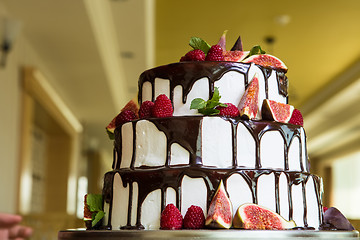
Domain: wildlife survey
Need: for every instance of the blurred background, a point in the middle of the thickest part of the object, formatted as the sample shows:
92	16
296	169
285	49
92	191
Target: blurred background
68	67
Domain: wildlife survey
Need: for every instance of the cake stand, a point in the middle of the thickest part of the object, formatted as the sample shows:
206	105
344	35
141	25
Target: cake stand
82	234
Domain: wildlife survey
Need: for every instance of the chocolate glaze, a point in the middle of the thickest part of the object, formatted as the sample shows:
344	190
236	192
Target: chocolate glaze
150	179
187	73
185	131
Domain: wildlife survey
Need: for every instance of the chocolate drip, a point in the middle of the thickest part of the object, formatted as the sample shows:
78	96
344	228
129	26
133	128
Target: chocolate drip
186	74
151	179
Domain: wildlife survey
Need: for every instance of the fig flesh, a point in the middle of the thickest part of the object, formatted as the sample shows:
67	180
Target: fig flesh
254	217
268	61
220	210
248	106
275	111
235	56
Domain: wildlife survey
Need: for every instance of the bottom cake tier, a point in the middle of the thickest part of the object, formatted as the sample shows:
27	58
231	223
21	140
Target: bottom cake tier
135	198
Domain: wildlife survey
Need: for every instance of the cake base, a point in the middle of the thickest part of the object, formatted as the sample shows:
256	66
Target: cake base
81	234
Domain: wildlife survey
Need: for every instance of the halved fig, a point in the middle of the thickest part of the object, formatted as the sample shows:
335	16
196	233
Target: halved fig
255	217
220	210
267	60
235	56
276	111
248	106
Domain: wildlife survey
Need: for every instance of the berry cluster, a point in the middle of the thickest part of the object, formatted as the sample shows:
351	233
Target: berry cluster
162	107
171	218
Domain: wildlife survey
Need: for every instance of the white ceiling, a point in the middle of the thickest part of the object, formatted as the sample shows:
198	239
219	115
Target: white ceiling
96	49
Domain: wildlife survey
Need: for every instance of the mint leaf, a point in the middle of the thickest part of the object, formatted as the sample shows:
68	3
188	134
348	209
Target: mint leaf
95	202
198	43
198	103
97	217
208	107
256	50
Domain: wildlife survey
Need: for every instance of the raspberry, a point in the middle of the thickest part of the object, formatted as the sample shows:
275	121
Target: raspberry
215	53
162	107
195	55
125	116
171	218
146	109
183	59
296	118
194	218
230	111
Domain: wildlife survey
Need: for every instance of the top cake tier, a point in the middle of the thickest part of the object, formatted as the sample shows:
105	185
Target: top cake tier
184	81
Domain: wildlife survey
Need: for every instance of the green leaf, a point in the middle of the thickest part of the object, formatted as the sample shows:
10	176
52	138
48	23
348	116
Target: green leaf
208	107
97	217
198	103
95	202
256	50
198	43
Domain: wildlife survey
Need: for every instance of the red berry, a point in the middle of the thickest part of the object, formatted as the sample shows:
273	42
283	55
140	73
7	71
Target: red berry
215	53
296	118
325	208
125	116
171	218
183	59
230	111
194	218
162	107
146	109
195	55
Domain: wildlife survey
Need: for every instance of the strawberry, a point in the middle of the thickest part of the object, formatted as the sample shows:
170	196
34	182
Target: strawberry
146	109
230	111
162	107
171	218
215	53
125	116
296	118
194	218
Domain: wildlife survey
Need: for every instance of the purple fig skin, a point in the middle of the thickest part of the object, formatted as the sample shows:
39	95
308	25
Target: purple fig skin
222	41
238	45
337	220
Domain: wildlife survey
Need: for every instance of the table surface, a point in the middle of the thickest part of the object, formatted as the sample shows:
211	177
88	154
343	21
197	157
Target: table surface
82	234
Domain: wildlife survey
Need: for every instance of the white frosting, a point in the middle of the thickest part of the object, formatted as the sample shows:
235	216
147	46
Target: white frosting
151	210
170	196
179	155
266	191
238	190
150	145
297	200
216	146
294	155
231	87
272	150
312	206
120	203
193	192
284	196
273	89
246	147
146	92
200	89
303	151
127	146
135	197
162	86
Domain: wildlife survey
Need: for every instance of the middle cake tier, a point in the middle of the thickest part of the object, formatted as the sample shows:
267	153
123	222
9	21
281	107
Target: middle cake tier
210	141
